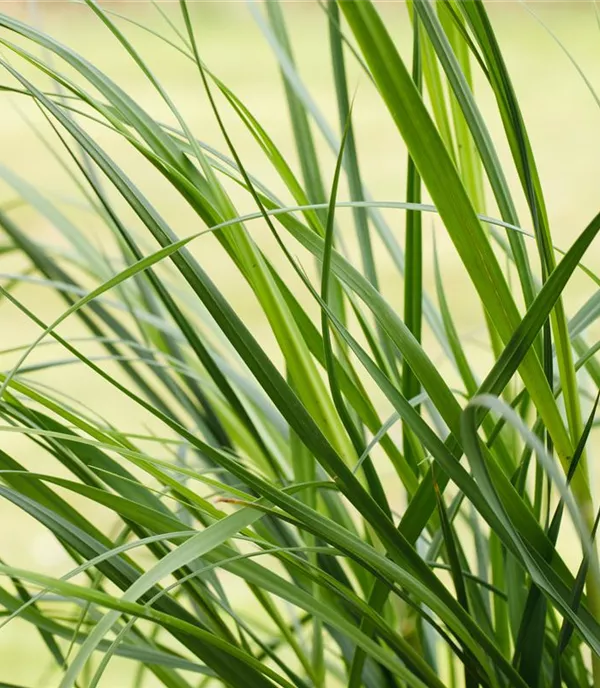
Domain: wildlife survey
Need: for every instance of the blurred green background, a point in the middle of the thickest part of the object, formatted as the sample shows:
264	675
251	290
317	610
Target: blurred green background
561	113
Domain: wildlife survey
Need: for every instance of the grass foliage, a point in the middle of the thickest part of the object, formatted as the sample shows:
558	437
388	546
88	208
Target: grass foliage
387	525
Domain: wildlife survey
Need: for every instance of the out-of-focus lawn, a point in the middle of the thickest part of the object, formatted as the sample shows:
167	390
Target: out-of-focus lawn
562	116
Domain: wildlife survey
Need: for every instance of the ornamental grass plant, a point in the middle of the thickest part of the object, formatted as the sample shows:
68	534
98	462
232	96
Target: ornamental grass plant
332	491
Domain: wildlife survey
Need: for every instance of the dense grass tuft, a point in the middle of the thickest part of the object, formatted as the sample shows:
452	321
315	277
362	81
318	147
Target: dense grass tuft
339	497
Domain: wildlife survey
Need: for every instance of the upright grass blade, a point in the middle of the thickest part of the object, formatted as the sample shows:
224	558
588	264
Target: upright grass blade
355	185
361	220
374	483
413	275
303	137
457	577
